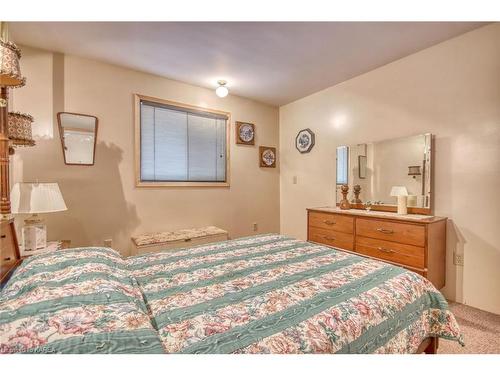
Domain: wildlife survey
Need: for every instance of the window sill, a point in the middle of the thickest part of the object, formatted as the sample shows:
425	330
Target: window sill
146	184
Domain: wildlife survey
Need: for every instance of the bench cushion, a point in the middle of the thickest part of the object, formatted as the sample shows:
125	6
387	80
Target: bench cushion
178	235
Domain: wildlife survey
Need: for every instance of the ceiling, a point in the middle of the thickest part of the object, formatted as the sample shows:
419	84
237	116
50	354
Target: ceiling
272	62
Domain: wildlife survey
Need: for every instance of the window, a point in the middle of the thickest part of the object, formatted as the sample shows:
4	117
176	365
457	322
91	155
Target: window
342	164
180	145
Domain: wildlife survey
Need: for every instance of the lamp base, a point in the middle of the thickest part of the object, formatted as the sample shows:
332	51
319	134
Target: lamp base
402	205
34	233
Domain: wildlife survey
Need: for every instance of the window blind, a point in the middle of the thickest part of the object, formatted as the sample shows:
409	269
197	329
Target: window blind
178	144
342	164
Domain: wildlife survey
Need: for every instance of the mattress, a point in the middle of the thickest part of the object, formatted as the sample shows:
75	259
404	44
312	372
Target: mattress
260	294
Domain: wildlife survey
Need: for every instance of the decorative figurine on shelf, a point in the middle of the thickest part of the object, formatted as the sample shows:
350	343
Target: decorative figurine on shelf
368	206
357	191
344	203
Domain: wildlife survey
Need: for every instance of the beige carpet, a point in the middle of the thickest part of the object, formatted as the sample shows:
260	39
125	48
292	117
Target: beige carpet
481	332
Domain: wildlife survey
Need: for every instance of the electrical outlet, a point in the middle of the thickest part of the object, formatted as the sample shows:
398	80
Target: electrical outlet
255	227
108	243
458	259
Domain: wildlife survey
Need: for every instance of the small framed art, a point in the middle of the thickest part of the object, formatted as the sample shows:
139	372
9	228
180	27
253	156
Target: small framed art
304	142
245	133
267	157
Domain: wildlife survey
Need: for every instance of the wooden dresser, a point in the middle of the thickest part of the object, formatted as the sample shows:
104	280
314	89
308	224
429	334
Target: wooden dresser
418	244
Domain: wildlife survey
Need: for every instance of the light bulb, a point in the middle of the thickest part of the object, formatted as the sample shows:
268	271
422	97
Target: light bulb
222	90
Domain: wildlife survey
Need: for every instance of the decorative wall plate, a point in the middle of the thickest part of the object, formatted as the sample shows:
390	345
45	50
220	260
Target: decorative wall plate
245	133
304	142
267	157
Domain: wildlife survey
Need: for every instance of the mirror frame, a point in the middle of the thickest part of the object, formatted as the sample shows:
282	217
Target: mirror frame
394	208
61	136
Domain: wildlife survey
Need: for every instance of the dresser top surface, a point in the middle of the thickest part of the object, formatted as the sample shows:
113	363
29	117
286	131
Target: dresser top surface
414	218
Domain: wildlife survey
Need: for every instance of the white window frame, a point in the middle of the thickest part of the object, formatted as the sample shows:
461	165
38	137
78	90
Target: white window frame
137	135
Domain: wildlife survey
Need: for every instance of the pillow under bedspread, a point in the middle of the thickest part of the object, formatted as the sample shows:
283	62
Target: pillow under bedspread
78	300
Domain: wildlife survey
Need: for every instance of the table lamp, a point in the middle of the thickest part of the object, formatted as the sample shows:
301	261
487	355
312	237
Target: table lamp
36	198
402	194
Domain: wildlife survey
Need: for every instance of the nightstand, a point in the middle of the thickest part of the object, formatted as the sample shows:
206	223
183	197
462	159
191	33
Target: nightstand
8	266
9	250
64	244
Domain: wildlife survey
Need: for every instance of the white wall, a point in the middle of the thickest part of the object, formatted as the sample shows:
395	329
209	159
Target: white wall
103	202
451	90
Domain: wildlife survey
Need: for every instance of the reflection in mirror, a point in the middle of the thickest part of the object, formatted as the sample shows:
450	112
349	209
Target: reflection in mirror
379	167
78	137
342	165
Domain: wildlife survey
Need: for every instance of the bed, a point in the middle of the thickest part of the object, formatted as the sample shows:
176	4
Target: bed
260	294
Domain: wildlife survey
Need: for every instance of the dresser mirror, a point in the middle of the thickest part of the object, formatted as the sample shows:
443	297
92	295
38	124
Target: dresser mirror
382	170
78	137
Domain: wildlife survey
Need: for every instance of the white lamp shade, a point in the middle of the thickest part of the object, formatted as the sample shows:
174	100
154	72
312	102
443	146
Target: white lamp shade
36	198
398	191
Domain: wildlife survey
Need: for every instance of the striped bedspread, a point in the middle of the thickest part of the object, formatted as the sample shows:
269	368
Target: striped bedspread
273	294
261	294
75	301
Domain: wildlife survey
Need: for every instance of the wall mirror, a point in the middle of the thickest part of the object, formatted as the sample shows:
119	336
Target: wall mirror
380	167
78	137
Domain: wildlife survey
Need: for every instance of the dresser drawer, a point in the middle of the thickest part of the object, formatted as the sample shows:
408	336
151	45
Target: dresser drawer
407	255
9	253
338	223
332	238
7	244
412	234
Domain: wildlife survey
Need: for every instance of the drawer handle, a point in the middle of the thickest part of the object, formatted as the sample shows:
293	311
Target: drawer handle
7	258
386	231
3	236
187	239
329	222
384	250
329	238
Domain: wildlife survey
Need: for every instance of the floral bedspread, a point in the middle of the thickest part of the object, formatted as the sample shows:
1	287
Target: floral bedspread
75	301
261	294
273	294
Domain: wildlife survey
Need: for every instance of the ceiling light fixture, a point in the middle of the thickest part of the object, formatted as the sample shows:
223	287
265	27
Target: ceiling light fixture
222	90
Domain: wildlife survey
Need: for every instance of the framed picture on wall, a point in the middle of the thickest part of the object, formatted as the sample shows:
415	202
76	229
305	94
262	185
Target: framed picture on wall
267	157
245	133
362	166
304	142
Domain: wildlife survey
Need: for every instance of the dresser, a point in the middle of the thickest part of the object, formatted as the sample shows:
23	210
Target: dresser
415	242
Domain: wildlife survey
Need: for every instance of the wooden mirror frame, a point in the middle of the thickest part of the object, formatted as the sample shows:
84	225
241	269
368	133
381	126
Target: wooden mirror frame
61	136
